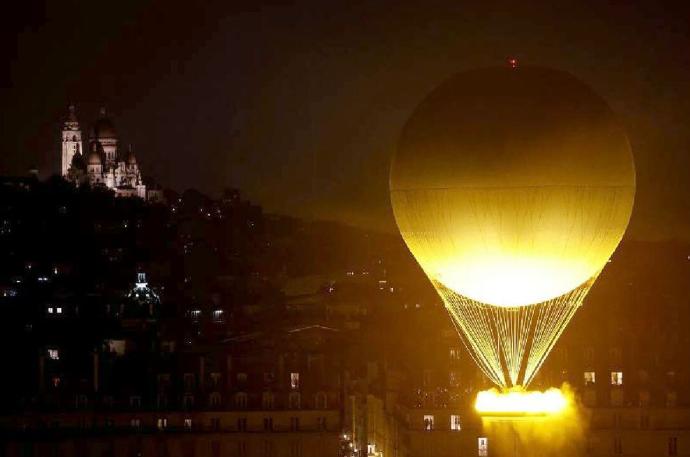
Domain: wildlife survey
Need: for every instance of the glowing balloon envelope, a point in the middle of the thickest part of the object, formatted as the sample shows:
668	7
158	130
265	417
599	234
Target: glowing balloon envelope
512	187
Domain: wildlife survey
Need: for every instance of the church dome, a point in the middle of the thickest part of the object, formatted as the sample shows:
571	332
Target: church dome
103	128
94	157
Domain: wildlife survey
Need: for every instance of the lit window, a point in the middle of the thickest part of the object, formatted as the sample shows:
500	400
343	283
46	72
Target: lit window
217	315
455	422
455	353
371	449
482	446
195	314
616	378
590	378
294	380
50	310
428	422
162	423
135	423
53	354
58	310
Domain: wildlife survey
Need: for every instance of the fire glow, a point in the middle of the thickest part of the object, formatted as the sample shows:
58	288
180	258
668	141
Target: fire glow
520	402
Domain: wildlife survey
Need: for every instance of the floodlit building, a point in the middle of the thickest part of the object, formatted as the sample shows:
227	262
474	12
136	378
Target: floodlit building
99	160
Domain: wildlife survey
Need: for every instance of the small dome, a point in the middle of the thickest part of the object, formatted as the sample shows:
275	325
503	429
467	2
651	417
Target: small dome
94	157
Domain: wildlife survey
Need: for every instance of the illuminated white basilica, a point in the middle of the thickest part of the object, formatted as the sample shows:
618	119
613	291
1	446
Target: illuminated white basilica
103	163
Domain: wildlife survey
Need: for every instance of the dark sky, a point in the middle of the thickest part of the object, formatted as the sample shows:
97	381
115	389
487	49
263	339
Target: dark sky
299	104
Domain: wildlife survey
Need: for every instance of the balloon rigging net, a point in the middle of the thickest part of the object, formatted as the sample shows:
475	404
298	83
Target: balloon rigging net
510	344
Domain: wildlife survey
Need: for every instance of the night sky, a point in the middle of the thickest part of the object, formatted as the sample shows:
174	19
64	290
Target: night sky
300	104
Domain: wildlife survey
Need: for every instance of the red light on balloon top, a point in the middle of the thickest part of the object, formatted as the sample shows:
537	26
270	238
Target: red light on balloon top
513	63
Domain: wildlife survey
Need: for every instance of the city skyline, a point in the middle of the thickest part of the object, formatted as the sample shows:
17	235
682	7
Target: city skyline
227	73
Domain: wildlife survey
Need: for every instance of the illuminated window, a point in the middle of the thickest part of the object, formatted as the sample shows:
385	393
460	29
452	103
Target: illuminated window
58	310
241	378
616	378
294	380
50	310
455	353
214	399
455	422
53	354
195	314
187	423
217	315
428	422
371	449
590	378
135	423
482	446
162	423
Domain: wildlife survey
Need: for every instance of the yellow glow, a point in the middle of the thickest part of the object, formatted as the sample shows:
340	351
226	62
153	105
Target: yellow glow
519	402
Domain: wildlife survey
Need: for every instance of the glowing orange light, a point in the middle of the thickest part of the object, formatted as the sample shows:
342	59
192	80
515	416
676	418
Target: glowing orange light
519	402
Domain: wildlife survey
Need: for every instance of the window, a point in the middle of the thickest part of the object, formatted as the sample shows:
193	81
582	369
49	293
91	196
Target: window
321	400
590	378
215	423
294	381
53	354
673	446
371	449
241	448
58	310
241	378
135	423
195	314
188	401
454	353
455	422
187	423
294	424
321	423
217	316
482	446
428	422
267	400
294	400
51	310
453	379
644	420
214	399
268	424
135	401
616	378
188	379
268	448
241	400
296	449
162	423
617	445
242	424
215	378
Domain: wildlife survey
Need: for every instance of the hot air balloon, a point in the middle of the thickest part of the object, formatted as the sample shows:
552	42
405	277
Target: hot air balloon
512	187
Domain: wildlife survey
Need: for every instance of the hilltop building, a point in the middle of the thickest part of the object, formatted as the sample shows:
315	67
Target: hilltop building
102	162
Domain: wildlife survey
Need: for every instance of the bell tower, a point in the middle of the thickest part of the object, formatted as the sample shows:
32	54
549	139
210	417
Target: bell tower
71	140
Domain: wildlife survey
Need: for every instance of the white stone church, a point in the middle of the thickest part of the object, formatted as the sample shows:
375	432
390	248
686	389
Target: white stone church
103	164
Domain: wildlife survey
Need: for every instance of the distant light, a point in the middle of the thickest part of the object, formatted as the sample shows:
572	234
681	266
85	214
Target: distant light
513	62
